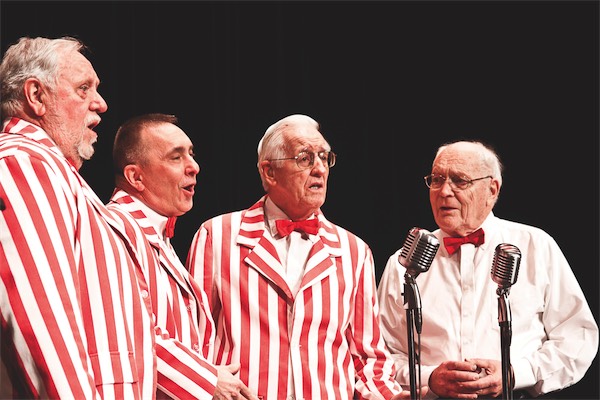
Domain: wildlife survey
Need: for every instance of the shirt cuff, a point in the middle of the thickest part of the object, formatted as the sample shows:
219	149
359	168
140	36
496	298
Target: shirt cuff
524	377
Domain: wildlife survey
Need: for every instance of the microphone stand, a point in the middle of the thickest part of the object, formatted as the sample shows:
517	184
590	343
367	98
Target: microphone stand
504	320
412	304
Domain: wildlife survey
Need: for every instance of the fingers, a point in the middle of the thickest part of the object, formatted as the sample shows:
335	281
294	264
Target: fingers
247	394
233	368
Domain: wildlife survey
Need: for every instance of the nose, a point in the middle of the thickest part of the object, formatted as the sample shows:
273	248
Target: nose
320	164
446	188
193	167
99	104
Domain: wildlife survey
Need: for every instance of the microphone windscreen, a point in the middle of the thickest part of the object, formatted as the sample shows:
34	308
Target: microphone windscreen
418	251
505	267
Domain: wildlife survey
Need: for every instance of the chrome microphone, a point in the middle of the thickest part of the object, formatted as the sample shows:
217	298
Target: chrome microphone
418	251
505	267
416	256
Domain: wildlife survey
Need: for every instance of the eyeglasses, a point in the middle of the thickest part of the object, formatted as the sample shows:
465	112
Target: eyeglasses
435	181
306	159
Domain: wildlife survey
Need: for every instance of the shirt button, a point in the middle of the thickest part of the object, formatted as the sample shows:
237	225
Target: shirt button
144	294
196	347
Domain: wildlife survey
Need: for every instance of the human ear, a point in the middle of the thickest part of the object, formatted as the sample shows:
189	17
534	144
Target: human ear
35	96
133	176
267	170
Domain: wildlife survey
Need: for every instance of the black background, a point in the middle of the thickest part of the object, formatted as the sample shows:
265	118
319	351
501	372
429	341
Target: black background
388	81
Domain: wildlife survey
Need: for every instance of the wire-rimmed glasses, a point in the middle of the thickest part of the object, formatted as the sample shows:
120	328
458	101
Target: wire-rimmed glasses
306	159
436	181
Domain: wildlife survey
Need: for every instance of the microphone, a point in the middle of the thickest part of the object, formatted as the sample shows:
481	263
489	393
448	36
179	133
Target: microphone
505	267
416	256
418	251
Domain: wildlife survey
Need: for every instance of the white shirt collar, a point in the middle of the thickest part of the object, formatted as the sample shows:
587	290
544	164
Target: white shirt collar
272	213
158	221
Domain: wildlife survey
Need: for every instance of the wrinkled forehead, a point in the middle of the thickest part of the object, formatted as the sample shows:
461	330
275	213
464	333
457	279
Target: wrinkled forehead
459	160
305	137
165	136
75	67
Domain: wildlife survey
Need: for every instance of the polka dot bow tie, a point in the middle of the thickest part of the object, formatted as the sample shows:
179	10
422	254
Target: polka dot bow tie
285	226
452	244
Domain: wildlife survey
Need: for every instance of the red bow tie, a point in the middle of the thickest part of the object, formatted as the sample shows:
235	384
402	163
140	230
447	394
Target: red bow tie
285	226
452	244
170	228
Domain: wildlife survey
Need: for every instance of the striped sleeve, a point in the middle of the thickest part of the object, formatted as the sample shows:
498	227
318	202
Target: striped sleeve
182	371
67	293
322	342
374	365
40	285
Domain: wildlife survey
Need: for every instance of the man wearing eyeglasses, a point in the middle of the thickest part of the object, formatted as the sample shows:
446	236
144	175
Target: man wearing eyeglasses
554	335
293	296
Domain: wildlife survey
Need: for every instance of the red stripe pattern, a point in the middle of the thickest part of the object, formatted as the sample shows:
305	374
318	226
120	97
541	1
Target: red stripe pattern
185	330
73	322
325	343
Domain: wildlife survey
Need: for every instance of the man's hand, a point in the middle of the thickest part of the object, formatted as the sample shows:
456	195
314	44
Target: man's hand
490	381
467	379
230	387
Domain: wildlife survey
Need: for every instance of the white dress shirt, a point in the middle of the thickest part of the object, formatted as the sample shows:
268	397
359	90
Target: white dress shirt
322	342
293	249
554	334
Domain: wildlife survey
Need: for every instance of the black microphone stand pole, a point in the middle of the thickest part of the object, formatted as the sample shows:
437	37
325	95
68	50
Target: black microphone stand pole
504	320
412	304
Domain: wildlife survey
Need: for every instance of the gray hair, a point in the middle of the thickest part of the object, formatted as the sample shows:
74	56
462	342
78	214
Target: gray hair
31	58
273	143
487	154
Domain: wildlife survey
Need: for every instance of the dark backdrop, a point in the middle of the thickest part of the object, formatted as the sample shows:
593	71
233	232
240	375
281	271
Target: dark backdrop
389	82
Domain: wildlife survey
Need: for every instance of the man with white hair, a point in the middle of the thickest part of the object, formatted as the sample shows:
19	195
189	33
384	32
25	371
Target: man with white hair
293	295
554	334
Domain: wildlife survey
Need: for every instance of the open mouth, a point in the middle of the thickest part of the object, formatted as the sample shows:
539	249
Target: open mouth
93	124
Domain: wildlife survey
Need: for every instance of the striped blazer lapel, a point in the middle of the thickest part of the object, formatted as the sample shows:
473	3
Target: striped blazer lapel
262	256
167	257
116	223
172	264
321	260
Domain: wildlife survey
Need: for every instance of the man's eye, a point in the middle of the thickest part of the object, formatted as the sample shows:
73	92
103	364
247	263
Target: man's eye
438	180
303	157
460	182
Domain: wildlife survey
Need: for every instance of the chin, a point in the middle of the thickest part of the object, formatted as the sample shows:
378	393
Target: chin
446	225
187	206
86	152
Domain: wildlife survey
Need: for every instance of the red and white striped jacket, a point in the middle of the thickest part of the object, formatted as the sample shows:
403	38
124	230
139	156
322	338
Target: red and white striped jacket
325	343
184	327
73	321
